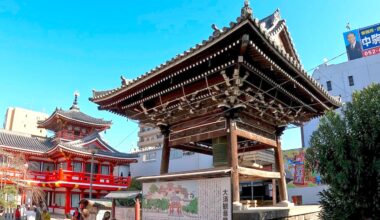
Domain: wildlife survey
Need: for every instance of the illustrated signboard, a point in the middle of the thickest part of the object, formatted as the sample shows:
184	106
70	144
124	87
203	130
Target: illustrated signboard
294	163
362	42
187	199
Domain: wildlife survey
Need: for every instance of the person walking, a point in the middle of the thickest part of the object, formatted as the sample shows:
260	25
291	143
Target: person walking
38	213
45	214
2	213
76	215
18	213
30	214
85	214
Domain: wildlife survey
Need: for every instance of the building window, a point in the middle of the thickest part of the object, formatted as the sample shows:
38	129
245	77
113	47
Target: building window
95	168
75	199
188	153
34	166
351	80
329	87
149	156
176	154
48	167
77	166
105	170
60	199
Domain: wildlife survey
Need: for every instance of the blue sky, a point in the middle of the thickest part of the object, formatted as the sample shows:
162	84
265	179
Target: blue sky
49	49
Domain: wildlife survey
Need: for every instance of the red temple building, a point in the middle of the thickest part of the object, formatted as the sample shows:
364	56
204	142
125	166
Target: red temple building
61	165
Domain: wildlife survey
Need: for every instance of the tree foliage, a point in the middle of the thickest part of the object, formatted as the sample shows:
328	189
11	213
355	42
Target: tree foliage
134	186
13	169
345	149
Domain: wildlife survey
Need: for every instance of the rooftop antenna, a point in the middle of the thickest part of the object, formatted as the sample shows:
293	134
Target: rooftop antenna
348	27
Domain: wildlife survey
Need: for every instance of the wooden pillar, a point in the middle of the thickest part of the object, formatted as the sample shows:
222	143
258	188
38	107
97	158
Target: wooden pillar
111	169
274	192
233	145
69	164
280	168
100	167
113	209
165	150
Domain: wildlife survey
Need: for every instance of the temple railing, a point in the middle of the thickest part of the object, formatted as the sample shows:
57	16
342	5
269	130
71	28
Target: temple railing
65	175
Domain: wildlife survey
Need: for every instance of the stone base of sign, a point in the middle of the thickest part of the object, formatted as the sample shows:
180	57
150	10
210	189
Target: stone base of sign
237	206
285	204
306	212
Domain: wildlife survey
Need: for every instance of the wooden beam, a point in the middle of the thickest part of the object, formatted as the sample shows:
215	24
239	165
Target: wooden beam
194	148
255	137
198	137
255	148
259	173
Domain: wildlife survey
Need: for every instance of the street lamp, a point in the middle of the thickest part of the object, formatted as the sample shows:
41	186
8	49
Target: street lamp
93	151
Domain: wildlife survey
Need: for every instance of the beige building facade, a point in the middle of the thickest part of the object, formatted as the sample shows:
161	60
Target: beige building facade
149	137
24	121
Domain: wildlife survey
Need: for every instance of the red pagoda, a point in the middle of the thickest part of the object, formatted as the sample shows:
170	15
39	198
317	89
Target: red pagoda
61	165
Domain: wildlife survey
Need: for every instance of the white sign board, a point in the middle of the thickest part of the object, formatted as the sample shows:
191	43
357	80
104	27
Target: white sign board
187	200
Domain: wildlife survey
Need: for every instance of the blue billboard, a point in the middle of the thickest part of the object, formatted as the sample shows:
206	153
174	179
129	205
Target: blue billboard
362	42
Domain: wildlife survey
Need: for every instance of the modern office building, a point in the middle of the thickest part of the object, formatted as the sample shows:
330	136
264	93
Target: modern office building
149	137
342	80
24	121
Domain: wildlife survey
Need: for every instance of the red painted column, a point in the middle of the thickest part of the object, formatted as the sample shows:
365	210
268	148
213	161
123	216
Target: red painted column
69	165
68	201
99	167
60	173
113	209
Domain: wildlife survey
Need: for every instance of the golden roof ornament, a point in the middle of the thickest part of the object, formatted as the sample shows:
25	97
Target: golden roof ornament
75	103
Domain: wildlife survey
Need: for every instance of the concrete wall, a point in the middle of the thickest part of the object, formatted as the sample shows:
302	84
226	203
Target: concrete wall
24	121
364	72
118	170
309	194
178	162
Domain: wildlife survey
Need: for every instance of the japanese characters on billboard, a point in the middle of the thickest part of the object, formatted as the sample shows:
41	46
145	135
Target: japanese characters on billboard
362	42
297	173
188	200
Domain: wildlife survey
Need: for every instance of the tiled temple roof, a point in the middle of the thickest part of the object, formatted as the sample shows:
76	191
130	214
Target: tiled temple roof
75	114
24	142
80	116
78	145
268	27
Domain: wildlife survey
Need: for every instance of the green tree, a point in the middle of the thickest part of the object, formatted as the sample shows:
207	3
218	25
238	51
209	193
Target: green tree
8	196
345	150
135	185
